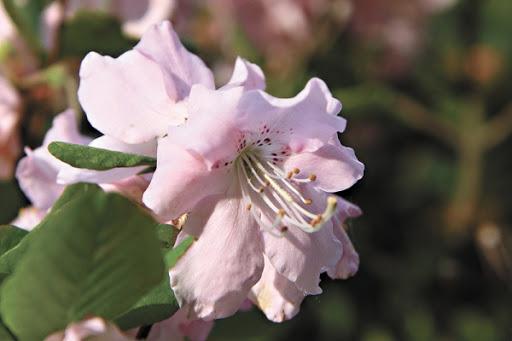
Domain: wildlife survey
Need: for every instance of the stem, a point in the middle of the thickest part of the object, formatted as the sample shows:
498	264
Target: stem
470	166
499	128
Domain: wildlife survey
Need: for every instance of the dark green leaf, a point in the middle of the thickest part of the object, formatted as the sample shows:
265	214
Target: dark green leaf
5	334
92	31
96	255
9	258
172	256
160	303
87	157
10	236
167	235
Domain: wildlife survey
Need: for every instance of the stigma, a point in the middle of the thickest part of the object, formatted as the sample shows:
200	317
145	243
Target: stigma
274	196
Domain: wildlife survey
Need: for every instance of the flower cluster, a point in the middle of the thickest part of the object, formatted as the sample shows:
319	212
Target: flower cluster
251	175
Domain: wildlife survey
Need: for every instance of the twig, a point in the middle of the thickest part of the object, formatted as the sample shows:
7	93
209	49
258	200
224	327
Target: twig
498	128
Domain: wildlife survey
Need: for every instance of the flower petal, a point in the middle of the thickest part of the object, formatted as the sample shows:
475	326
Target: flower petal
306	119
215	275
181	68
275	295
179	326
37	172
126	97
211	128
91	328
180	181
157	11
28	218
248	75
336	167
349	262
70	175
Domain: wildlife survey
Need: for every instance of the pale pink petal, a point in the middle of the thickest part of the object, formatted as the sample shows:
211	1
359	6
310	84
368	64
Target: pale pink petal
37	172
157	11
308	119
179	326
275	295
132	187
336	167
211	129
92	328
181	68
301	257
181	180
215	275
70	175
28	218
9	135
349	262
248	75
65	128
126	97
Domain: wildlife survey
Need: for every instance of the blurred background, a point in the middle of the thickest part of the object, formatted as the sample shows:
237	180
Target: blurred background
427	90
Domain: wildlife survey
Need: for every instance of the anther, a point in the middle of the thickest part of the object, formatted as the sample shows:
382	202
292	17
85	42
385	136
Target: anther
308	202
312	177
289	175
261	189
296	171
249	206
281	212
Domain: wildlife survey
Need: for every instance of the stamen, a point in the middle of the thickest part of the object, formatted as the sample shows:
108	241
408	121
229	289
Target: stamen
278	193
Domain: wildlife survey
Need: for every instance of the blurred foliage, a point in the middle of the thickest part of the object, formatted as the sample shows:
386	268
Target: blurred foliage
436	143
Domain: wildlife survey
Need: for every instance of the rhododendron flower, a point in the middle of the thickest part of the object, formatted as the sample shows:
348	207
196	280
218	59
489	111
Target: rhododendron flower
9	119
254	172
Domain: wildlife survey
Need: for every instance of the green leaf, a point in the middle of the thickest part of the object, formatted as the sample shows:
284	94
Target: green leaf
10	236
87	157
172	256
26	15
92	31
9	258
160	303
5	334
96	255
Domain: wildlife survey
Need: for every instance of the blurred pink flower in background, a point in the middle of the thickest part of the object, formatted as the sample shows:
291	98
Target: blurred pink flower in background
285	30
92	328
396	27
10	111
137	16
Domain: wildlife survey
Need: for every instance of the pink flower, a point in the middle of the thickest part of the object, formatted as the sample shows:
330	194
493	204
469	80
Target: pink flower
38	172
254	172
137	15
92	328
179	326
9	120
